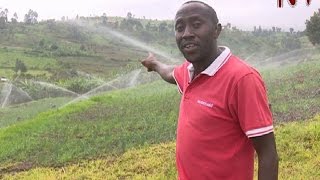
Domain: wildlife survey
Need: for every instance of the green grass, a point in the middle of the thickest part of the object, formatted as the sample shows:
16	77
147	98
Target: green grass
298	145
14	114
293	90
108	133
36	65
104	125
153	162
102	54
8	59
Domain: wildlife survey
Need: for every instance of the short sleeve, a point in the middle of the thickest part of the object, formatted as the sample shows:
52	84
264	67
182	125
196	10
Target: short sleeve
179	76
250	105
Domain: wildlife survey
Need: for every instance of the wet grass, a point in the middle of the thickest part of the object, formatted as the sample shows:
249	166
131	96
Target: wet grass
105	135
22	112
294	91
104	125
8	58
298	145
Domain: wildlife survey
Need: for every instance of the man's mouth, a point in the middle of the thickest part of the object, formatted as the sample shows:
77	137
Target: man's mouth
189	47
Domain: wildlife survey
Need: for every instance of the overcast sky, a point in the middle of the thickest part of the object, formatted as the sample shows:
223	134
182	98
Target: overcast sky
242	13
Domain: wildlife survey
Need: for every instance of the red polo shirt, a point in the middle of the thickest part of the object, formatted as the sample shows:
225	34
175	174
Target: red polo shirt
220	110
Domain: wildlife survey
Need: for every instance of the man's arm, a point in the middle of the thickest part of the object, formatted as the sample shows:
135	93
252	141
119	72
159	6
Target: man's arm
165	71
265	147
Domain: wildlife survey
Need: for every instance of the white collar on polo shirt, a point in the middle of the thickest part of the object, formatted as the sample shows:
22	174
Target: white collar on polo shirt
215	65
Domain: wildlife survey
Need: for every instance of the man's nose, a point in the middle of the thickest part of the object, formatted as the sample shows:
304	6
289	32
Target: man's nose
187	32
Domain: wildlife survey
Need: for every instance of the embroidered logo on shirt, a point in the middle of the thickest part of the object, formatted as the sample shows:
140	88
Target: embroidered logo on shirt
205	103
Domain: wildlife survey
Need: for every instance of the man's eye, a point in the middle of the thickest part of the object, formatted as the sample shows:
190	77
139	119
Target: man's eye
196	25
179	28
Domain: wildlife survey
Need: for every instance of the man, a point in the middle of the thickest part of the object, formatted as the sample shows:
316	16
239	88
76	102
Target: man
224	114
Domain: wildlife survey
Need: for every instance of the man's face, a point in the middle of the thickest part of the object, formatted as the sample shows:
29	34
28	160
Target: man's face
196	33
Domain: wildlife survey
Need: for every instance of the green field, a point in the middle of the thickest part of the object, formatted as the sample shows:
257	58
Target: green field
129	133
22	112
298	145
294	90
107	121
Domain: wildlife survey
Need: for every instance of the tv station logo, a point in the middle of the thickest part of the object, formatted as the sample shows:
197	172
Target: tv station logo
291	2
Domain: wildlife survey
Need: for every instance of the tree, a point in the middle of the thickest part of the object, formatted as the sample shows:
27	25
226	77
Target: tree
163	27
104	19
148	26
131	24
129	15
234	28
76	33
259	30
3	18
146	36
124	25
291	30
137	25
229	25
31	17
291	43
4	15
14	19
313	27
20	67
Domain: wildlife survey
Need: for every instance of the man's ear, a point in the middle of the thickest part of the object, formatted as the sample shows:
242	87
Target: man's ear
217	30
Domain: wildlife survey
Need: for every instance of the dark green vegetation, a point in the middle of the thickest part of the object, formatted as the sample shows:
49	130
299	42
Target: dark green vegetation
294	91
298	146
313	26
79	55
104	125
117	134
55	50
111	124
12	115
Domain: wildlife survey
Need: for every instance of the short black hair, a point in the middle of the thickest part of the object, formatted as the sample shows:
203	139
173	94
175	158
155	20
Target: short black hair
211	11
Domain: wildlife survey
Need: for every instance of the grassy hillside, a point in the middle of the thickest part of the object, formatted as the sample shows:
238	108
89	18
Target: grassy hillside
108	124
293	93
80	55
105	135
298	145
130	133
294	90
10	116
51	48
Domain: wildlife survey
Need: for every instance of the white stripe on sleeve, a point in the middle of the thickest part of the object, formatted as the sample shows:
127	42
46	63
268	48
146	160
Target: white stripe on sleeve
176	81
260	131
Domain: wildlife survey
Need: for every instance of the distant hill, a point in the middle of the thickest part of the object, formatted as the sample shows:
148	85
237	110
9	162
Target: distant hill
81	44
82	54
89	115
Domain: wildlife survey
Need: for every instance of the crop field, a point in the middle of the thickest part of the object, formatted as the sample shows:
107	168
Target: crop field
84	108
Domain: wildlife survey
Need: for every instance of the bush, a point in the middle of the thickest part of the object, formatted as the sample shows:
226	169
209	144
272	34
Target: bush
54	47
20	67
312	29
79	85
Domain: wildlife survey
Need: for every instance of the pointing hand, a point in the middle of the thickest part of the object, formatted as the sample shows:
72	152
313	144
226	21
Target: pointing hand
150	62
